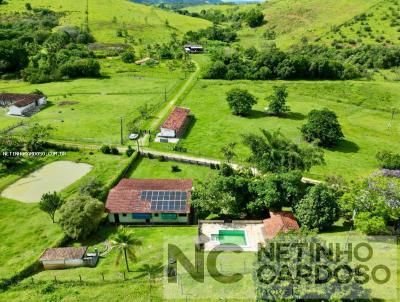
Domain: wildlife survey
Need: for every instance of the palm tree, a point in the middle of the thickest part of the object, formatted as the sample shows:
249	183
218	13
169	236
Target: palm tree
124	241
151	270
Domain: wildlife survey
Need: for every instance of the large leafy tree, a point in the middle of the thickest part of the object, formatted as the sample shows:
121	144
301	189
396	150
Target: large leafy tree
228	151
50	203
277	190
323	127
277	101
226	194
9	149
240	101
125	242
273	152
318	209
80	216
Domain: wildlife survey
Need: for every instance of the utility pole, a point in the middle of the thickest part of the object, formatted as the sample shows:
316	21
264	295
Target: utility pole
87	15
165	94
122	134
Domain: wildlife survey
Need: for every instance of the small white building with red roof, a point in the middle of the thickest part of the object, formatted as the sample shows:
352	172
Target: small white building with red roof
22	104
174	126
150	201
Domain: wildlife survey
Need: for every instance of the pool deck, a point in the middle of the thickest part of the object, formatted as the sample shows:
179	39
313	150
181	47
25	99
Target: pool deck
254	230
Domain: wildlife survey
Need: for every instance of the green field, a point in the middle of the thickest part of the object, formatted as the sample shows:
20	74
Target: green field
97	104
363	108
153	168
145	23
25	230
136	286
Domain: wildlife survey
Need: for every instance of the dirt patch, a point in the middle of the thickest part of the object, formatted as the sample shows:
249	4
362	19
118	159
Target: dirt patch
67	103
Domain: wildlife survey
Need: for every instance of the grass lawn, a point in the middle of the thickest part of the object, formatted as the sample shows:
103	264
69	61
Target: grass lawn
153	168
146	24
25	230
97	104
363	109
136	286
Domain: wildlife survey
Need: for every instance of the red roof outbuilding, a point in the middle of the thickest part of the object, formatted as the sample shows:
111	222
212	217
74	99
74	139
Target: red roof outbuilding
177	119
125	197
281	221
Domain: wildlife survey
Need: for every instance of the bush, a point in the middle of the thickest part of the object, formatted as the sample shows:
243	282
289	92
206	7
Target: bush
129	151
91	187
128	56
323	127
389	160
318	209
105	149
254	17
370	224
114	151
175	169
240	101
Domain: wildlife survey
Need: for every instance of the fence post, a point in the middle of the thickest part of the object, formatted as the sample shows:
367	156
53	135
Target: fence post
32	280
55	279
102	275
80	278
124	277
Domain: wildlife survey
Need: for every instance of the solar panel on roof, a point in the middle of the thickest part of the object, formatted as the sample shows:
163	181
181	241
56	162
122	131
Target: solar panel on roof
165	200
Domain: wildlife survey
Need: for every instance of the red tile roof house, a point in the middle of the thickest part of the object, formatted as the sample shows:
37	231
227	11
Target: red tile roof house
174	126
66	257
281	221
22	104
150	201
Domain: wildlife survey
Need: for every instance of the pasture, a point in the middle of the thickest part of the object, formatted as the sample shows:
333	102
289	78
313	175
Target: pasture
89	110
364	110
145	24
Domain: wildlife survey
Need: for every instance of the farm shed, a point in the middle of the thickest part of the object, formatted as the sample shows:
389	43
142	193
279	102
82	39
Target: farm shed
22	104
174	126
150	201
66	257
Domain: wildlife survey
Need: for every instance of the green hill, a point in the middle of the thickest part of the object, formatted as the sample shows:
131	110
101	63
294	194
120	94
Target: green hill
145	24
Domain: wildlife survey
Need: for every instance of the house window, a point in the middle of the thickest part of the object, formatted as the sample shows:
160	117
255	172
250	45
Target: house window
182	215
155	214
124	214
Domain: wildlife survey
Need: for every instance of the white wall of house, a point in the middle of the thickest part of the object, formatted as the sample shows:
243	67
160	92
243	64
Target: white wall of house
14	110
155	218
167	132
42	101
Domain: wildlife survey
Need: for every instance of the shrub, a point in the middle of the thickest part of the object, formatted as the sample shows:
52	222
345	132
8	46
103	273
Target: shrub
105	149
322	126
277	104
92	187
175	169
128	56
254	17
370	224
114	151
28	6
129	151
389	160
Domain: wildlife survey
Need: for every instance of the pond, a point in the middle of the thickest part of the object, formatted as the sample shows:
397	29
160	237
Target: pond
51	177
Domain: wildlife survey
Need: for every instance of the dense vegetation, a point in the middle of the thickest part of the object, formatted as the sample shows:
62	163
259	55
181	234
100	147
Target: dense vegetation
301	62
29	47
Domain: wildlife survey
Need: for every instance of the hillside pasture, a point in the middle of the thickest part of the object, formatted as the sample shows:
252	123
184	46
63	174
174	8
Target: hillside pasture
364	110
144	23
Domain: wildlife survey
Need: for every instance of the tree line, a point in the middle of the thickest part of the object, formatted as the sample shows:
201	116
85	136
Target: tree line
30	48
